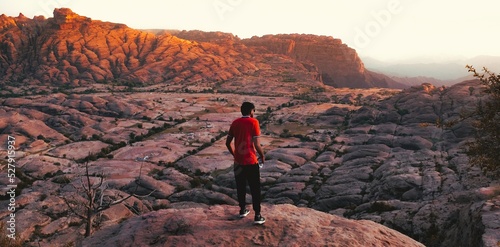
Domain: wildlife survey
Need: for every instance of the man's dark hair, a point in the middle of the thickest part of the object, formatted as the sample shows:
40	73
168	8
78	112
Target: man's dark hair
246	108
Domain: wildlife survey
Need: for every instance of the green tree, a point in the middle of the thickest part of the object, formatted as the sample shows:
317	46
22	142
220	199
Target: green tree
484	150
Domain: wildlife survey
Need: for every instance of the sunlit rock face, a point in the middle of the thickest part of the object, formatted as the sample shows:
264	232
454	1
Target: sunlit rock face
339	65
75	50
69	49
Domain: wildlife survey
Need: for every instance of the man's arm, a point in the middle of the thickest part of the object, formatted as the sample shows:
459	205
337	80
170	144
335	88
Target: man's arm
256	144
229	139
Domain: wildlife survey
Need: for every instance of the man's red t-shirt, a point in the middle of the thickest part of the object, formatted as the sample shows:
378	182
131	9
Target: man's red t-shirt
243	130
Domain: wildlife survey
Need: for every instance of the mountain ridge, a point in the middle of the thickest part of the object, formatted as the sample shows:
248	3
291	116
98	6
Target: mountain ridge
69	49
325	52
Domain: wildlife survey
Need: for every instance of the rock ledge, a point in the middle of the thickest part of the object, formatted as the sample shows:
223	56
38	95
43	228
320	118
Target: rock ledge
286	225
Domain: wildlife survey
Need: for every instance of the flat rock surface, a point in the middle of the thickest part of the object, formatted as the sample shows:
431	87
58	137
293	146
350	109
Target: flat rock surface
78	150
220	226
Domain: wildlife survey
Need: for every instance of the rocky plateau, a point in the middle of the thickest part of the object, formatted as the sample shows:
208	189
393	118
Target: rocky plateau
148	113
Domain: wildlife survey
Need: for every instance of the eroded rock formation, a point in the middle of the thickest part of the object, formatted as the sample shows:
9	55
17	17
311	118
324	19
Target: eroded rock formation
72	50
338	64
75	50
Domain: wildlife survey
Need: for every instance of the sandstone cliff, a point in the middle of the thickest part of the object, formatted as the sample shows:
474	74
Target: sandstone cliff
74	50
340	65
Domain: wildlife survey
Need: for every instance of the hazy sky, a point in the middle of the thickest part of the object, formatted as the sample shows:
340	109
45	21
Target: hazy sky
382	29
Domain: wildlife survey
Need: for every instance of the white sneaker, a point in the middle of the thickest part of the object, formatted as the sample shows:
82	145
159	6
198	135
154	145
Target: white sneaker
259	220
244	213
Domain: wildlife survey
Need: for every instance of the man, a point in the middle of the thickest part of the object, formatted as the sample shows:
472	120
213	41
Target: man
246	131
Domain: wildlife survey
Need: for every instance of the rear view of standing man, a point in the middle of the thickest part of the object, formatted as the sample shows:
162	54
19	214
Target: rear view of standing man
246	132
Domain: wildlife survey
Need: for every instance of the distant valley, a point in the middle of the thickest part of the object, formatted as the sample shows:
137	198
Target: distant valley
437	73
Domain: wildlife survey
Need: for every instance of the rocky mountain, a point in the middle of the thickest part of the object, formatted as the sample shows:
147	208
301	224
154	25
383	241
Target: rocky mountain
340	66
344	166
70	49
75	50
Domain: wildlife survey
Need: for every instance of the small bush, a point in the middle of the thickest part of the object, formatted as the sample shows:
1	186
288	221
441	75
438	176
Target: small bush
381	206
5	240
179	226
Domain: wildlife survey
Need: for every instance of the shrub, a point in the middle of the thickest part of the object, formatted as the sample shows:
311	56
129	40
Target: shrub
484	150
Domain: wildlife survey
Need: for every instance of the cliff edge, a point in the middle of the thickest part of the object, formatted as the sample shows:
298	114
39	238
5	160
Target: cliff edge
219	225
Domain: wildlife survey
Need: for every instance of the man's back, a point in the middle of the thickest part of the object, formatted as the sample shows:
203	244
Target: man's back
243	130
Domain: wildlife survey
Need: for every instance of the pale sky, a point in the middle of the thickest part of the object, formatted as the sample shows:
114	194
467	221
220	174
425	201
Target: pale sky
382	29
